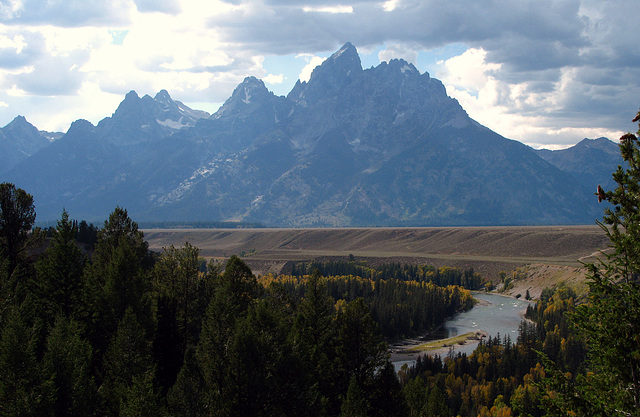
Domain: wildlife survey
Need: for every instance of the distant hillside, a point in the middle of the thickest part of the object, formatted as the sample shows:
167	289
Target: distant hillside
590	162
383	146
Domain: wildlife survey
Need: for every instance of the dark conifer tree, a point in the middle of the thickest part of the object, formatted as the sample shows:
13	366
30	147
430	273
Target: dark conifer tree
60	273
66	366
22	392
356	402
117	279
17	215
127	360
188	396
316	338
360	349
235	291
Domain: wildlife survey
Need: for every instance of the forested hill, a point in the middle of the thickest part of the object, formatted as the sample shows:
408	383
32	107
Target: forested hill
131	332
350	147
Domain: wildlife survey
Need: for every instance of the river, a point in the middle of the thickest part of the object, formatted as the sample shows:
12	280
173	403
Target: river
494	314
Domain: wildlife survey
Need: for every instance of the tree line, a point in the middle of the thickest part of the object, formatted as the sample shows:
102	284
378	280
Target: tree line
401	308
443	276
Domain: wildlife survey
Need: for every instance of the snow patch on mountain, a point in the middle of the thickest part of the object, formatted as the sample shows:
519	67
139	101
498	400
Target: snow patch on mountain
172	124
247	96
198	175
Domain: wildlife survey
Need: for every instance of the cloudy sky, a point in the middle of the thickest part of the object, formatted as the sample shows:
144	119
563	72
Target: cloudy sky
545	72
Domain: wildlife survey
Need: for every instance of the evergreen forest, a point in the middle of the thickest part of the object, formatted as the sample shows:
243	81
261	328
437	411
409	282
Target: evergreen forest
126	331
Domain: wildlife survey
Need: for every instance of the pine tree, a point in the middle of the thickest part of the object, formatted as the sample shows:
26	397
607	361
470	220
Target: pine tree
188	396
356	402
117	279
235	291
265	372
60	273
610	320
22	392
177	281
316	338
361	353
67	366
387	398
17	215
127	360
141	399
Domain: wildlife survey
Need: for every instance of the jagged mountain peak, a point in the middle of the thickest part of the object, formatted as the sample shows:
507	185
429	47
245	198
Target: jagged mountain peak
600	143
342	64
348	51
18	140
133	103
250	88
334	74
19	119
404	67
251	80
139	119
19	122
131	95
163	97
585	145
130	102
250	92
80	127
20	127
592	160
177	108
398	71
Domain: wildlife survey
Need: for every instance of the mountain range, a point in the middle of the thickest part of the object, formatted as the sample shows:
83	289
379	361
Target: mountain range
383	146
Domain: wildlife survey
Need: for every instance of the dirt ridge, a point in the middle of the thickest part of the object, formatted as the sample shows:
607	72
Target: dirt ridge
486	249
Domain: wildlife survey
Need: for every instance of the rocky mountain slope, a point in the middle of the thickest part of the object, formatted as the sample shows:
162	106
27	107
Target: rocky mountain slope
18	141
591	161
381	146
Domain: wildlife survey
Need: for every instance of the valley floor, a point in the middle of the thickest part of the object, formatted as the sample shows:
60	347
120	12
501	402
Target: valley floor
543	254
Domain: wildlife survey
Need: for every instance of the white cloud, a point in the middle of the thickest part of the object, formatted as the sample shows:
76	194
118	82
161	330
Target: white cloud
512	109
312	62
406	52
273	79
328	9
390	5
159	51
16	43
469	71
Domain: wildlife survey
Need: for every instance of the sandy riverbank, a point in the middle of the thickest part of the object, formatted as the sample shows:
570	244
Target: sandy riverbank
412	348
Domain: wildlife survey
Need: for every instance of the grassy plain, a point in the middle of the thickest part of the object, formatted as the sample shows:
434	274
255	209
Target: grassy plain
548	253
